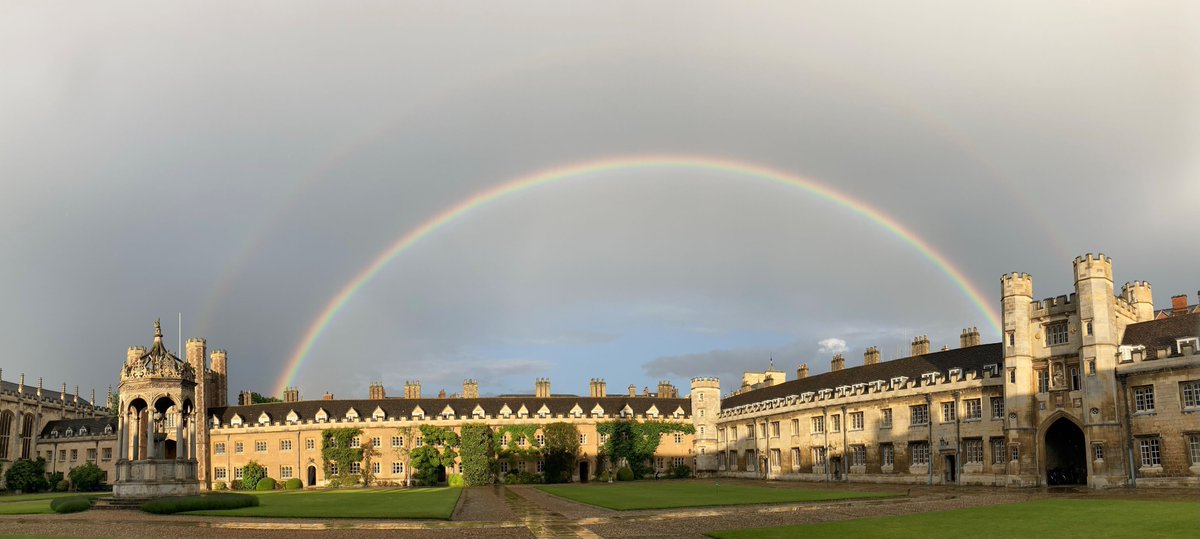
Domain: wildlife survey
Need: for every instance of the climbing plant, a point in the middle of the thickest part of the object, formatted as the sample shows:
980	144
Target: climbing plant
437	449
369	453
560	452
635	442
513	433
336	451
478	450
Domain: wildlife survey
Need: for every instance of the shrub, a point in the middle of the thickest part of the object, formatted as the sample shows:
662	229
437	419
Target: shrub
293	484
86	477
625	474
265	483
27	475
220	485
236	484
561	451
522	478
454	480
602	477
252	472
203	502
682	471
71	504
61	486
57	482
477	451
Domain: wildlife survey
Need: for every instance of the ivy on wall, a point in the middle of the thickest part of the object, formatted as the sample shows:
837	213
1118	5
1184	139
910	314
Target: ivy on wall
635	442
561	451
437	449
336	450
478	450
513	433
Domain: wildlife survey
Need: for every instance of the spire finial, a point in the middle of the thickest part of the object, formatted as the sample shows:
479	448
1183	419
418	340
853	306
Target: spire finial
772	362
157	329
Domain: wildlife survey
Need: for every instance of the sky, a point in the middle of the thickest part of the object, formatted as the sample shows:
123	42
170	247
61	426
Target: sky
240	164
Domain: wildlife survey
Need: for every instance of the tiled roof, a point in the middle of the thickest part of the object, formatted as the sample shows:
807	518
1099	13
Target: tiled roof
46	393
970	359
95	426
1158	334
463	408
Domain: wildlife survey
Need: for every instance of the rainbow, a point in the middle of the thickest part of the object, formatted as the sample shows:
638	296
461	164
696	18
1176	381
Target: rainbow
580	170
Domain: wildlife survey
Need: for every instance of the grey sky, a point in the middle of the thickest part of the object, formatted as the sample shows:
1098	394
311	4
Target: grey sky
242	163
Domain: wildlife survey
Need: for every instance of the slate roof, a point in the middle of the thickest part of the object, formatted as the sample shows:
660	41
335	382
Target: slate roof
46	393
970	359
1157	334
463	408
95	425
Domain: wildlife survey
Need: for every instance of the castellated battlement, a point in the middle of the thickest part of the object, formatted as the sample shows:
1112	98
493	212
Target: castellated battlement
1016	284
706	382
196	340
1055	305
1088	266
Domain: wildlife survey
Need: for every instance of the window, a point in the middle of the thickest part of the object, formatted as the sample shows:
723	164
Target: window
775	457
1143	398
62	455
376	442
1056	333
948	411
74	455
285	445
677	461
332	468
750	431
751	461
678	439
1015	453
356	442
997	407
818	456
376	467
1150	452
520	441
1191	393
835	423
397	441
219	474
260	446
285	472
355	467
795	427
973	408
504	466
795	459
237	474
701	412
309	443
398	468
106	453
1088	328
920	414
998	453
733	433
1193	443
219	448
541	466
582	439
764	429
919	452
885	418
418	442
1043	380
774	429
973	451
1098	451
887	455
1074	378
720	435
858	455
541	439
239	448
856	421
604	437
91	455
818	424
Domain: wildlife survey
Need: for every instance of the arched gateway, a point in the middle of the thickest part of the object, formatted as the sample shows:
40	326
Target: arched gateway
1065	454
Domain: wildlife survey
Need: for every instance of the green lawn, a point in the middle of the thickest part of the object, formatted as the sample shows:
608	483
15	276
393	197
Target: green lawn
1060	519
34	507
47	496
433	503
669	494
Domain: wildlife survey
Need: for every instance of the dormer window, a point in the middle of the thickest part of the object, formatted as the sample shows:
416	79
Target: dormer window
107	430
1193	342
70	432
83	431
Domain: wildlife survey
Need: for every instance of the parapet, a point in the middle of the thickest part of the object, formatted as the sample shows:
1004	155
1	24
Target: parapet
708	382
1088	266
1016	284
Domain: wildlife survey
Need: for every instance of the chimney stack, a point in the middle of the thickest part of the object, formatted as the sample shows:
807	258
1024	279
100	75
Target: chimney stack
920	345
802	372
412	389
969	337
328	396
291	394
666	390
596	388
1179	304
632	390
245	398
871	356
376	391
838	363
470	389
541	388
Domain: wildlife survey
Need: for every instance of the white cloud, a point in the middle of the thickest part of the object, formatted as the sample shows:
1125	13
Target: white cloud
832	345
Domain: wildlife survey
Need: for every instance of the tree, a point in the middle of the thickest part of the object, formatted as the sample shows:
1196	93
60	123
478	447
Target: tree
86	477
27	475
560	451
635	442
252	472
368	454
477	445
437	450
255	398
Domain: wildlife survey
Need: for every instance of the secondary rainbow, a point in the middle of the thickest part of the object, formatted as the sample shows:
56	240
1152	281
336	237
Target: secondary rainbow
591	169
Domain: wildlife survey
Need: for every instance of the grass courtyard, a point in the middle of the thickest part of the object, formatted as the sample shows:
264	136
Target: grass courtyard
673	494
1060	519
35	504
431	503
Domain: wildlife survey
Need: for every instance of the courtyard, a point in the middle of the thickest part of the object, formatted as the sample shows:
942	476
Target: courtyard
688	508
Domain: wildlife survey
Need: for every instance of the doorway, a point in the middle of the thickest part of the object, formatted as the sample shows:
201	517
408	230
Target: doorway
836	462
169	450
312	476
441	474
1066	454
950	475
583	472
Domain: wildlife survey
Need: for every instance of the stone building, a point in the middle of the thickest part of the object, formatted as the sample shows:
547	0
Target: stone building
30	414
1092	387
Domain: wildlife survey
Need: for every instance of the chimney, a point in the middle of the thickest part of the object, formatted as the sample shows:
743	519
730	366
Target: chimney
412	389
920	345
596	388
470	389
838	363
871	356
666	390
632	390
802	372
645	391
328	396
441	393
376	391
245	398
969	337
541	388
291	394
1179	304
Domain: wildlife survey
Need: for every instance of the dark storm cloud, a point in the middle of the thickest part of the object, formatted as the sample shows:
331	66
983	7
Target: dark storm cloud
241	165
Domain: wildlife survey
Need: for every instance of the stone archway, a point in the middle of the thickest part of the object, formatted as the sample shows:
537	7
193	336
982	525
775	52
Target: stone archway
1064	453
312	476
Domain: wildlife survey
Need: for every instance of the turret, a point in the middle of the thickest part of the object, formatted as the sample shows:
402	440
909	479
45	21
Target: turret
470	389
871	356
218	362
706	409
1139	295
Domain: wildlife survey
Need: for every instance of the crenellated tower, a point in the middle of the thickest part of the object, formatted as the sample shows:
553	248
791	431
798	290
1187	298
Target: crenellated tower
1020	403
706	407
